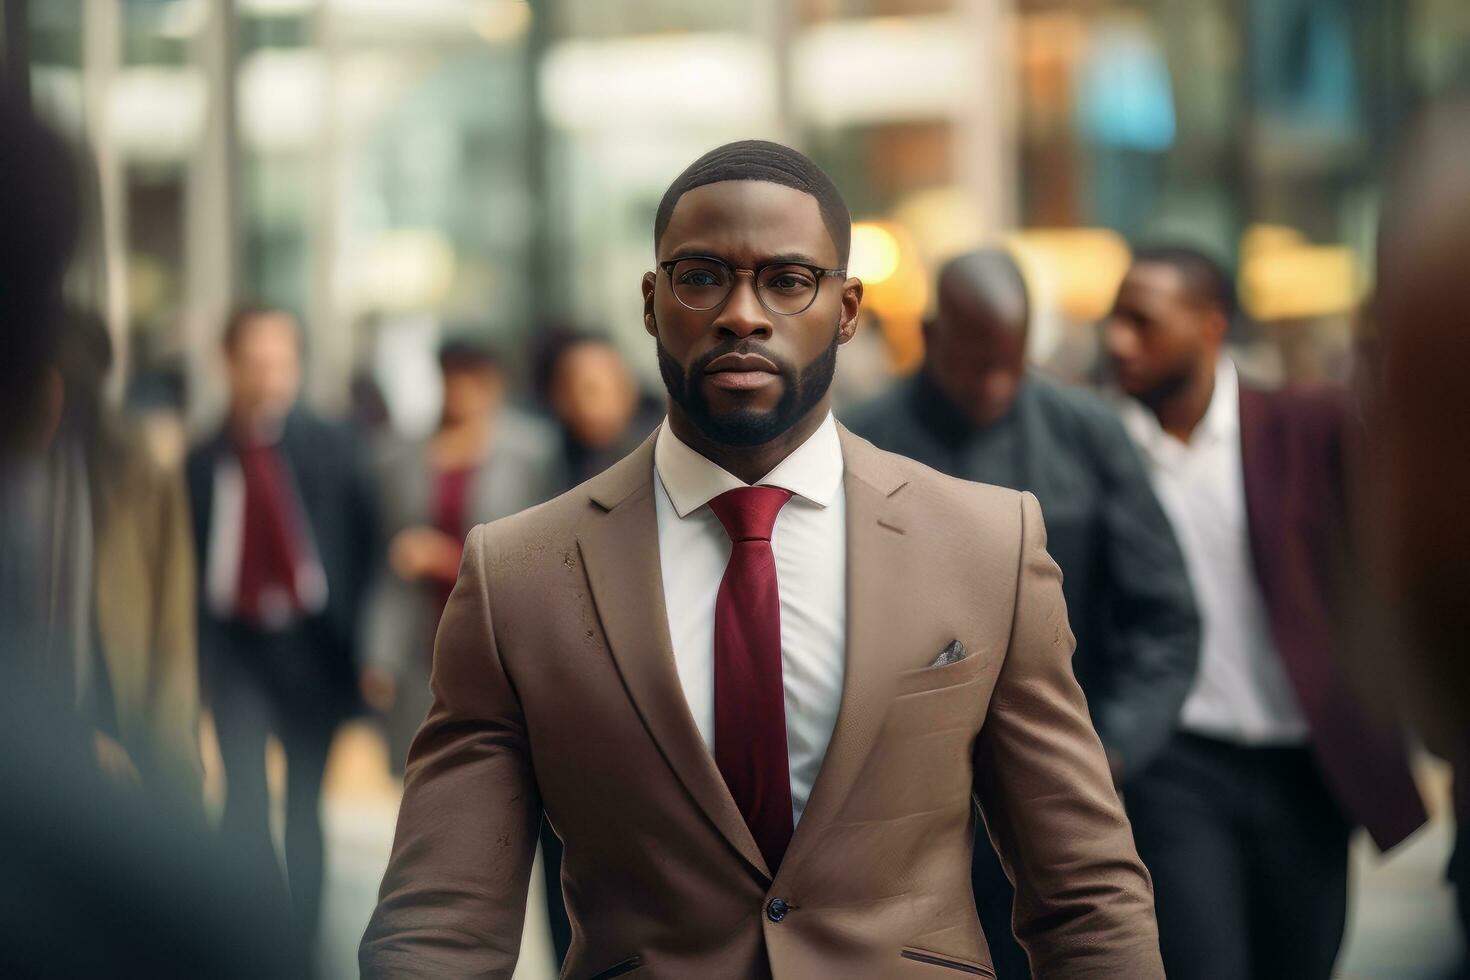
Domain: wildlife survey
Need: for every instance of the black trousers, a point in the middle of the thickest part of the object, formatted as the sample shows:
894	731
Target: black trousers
1458	871
1249	856
556	905
994	899
273	683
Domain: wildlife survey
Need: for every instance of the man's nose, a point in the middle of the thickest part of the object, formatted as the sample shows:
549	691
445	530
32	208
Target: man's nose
743	315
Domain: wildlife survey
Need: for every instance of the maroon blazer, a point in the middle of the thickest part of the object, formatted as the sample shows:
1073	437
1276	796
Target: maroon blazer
1293	457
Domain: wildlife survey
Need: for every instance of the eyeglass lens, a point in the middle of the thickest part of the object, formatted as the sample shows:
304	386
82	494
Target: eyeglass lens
703	284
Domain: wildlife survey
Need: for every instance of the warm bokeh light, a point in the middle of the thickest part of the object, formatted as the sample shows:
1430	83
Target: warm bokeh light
1263	239
503	20
896	287
1285	277
1079	268
875	253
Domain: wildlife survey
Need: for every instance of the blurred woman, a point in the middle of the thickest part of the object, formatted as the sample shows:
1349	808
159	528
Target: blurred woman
122	582
485	460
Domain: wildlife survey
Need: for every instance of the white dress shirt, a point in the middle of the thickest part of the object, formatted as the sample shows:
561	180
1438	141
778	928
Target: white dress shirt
810	545
227	547
1241	693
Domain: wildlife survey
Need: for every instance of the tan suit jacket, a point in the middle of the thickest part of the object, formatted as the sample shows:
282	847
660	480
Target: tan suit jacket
146	612
555	686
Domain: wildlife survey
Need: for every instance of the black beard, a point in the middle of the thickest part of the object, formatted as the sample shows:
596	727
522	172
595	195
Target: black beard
802	389
1167	388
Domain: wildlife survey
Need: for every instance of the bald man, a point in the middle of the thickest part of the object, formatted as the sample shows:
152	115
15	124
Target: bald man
974	411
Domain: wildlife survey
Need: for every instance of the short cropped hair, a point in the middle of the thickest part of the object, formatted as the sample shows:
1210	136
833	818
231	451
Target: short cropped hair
241	317
763	161
1205	280
468	354
553	340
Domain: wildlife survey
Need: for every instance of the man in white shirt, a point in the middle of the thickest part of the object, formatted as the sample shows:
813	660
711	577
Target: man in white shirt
1244	818
758	673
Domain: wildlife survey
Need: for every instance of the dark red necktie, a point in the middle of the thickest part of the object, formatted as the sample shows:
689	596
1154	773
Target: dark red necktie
750	700
268	544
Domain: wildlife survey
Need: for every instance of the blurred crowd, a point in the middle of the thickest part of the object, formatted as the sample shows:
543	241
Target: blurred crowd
1267	587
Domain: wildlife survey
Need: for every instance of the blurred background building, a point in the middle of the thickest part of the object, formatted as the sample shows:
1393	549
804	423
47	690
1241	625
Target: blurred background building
387	168
399	172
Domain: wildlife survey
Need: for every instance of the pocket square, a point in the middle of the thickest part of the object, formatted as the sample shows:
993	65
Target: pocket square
953	653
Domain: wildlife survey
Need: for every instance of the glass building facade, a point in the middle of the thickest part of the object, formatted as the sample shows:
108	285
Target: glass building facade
396	172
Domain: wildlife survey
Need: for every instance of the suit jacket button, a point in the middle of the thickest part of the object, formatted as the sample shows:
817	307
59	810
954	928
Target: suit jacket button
776	909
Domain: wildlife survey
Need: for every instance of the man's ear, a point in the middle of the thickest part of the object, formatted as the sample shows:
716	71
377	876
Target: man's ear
852	305
650	283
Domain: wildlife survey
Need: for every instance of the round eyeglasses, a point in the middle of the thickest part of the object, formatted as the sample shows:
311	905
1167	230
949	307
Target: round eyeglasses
703	283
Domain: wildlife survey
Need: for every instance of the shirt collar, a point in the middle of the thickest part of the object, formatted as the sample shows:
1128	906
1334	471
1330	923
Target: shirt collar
1221	420
813	471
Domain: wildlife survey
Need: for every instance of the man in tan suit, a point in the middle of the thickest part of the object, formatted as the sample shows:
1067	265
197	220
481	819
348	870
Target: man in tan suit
758	673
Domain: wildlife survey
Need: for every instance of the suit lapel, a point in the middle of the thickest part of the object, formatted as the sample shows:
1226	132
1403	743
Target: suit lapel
1262	500
876	550
620	551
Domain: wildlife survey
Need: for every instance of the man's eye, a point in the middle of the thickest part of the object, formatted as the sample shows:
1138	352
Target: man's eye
699	277
789	282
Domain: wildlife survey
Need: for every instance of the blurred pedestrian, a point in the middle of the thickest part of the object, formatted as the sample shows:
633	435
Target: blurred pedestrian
486	460
99	878
124	556
975	412
1419	466
592	393
284	525
39	221
1421	528
1244	818
99	566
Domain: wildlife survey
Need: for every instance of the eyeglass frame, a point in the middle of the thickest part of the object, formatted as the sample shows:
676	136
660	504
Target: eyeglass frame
817	272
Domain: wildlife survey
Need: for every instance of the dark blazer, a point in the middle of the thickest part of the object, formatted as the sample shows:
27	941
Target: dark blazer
337	501
1128	595
1293	457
